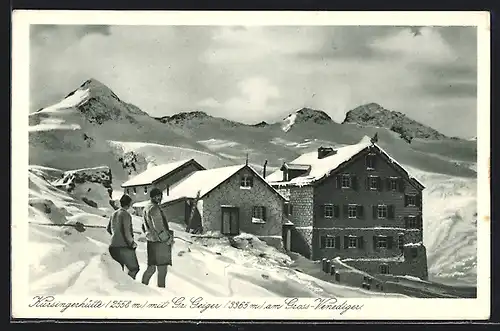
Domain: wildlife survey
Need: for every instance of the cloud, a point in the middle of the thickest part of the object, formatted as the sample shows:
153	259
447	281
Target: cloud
254	73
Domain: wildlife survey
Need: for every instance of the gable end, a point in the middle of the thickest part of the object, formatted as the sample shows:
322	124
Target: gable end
364	152
256	175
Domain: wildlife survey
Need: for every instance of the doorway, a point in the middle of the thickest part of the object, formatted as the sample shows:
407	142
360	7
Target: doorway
230	221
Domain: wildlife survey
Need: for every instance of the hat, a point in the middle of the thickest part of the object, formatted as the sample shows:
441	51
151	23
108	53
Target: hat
154	192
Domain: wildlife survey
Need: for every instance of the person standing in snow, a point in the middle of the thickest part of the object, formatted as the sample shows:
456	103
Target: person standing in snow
159	239
122	246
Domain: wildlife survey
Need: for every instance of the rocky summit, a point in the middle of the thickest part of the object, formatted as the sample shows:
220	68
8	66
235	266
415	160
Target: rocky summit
312	115
372	114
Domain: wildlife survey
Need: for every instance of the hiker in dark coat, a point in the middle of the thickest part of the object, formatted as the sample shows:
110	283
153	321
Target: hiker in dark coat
159	239
122	246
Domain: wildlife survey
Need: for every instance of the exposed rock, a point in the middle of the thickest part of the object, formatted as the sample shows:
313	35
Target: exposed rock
102	104
261	124
373	114
312	115
101	175
90	202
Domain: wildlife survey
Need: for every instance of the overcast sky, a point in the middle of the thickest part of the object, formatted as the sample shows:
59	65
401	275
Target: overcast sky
262	73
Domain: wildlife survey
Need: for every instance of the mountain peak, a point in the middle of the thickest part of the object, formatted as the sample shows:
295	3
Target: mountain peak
373	114
305	115
312	115
95	88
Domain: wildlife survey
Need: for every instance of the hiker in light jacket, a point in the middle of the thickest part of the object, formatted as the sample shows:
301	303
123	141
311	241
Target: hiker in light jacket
159	239
122	246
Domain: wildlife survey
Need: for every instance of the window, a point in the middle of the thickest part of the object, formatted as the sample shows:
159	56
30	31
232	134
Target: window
373	182
330	242
384	269
370	161
328	212
393	184
353	242
401	240
410	200
259	213
411	222
382	242
135	190
382	211
145	189
346	181
246	181
351	211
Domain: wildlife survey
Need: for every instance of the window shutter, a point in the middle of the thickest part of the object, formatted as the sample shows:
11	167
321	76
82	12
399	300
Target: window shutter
374	243
406	222
406	200
374	161
419	221
375	211
337	181
367	183
417	200
379	184
367	160
360	243
346	242
388	183
254	211
354	182
336	211
390	212
290	209
322	241
359	211
389	242
337	242
264	214
401	185
345	211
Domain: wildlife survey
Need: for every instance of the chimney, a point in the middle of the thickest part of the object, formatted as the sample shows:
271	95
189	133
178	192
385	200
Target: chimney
264	170
325	151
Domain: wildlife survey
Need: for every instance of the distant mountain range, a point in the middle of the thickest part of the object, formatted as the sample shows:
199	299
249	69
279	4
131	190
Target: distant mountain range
92	126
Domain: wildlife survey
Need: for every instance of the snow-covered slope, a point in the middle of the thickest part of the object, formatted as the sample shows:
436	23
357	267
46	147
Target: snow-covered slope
156	154
74	260
74	132
450	227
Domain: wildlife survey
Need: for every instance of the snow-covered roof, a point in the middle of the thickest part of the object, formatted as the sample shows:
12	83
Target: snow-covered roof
154	173
295	166
205	181
321	168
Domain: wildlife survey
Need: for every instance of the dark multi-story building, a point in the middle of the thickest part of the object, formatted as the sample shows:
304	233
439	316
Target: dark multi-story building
356	203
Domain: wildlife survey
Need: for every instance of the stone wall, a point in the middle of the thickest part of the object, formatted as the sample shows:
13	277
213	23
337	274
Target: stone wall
230	193
301	198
